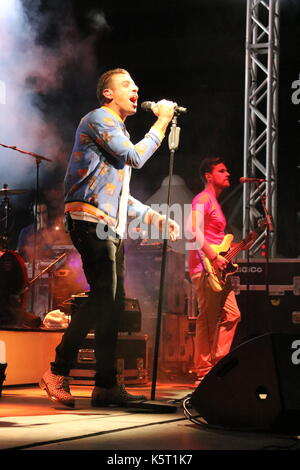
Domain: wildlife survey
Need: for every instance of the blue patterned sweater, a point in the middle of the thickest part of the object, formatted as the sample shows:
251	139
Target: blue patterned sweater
95	171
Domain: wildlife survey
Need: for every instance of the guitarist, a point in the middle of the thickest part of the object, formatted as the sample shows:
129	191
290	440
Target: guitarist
218	311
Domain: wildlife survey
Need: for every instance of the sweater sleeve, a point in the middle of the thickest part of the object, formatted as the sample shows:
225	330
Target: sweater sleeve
110	133
136	209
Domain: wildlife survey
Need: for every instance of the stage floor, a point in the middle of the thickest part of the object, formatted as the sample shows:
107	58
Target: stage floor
29	421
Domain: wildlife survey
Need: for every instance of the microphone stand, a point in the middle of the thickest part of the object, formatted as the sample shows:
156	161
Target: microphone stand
269	229
35	229
38	159
248	251
173	146
49	269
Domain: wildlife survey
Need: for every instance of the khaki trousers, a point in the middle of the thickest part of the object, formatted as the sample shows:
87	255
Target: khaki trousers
216	323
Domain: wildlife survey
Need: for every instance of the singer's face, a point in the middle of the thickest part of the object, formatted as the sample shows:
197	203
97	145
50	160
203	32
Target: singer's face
123	95
219	176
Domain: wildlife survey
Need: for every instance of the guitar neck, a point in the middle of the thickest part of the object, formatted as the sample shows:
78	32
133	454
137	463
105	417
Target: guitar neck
234	251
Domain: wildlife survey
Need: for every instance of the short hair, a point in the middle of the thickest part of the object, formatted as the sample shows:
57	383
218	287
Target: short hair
104	82
207	165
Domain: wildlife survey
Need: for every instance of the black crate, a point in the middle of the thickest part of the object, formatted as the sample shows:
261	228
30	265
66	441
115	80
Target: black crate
281	275
132	360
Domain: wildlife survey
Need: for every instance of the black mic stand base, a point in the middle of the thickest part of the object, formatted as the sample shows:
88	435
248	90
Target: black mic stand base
152	406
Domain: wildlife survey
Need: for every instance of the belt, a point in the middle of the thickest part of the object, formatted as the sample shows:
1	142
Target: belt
86	223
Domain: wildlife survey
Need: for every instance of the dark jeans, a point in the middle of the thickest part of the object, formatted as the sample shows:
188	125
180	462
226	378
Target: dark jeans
103	265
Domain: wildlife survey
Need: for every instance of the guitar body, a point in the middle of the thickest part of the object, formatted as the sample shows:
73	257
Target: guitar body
216	277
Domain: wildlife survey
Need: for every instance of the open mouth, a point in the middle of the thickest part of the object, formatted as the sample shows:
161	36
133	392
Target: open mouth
134	100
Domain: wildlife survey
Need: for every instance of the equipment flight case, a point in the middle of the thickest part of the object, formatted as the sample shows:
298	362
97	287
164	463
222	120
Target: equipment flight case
132	347
132	360
268	296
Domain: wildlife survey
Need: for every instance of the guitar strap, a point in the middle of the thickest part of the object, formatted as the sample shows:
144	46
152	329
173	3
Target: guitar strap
207	274
201	261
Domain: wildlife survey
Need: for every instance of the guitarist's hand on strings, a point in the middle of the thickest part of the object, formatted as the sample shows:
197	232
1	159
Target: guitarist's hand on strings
219	262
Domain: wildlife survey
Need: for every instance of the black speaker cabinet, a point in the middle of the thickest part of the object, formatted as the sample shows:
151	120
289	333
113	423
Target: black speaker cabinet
262	312
256	386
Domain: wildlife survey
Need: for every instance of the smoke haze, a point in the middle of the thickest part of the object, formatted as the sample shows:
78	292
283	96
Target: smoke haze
31	71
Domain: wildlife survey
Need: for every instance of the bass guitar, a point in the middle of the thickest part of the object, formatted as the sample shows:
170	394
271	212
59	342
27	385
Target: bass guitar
217	277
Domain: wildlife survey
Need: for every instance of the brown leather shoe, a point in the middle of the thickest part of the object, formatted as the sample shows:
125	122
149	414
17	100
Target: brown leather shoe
57	388
116	395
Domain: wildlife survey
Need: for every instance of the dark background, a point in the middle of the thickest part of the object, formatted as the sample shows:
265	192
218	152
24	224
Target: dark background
191	52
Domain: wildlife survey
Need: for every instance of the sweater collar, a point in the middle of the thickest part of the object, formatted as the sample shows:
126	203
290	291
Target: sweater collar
112	112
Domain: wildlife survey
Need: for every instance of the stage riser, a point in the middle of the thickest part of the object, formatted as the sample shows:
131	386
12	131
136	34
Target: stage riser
28	354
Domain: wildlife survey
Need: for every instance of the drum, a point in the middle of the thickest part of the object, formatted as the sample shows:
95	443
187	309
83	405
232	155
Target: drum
13	288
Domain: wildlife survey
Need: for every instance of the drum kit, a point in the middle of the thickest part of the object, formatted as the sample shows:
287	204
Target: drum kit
15	284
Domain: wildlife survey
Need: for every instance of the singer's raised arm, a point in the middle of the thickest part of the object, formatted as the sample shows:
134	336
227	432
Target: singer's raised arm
105	134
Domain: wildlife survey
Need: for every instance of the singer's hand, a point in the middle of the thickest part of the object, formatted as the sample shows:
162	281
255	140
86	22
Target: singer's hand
173	228
164	109
159	220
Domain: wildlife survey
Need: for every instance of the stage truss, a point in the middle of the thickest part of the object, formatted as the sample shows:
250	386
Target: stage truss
261	119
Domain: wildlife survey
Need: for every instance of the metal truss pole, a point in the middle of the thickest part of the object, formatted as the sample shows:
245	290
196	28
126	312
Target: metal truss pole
261	118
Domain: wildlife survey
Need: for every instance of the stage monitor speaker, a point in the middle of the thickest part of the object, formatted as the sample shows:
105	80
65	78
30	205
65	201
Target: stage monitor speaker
256	386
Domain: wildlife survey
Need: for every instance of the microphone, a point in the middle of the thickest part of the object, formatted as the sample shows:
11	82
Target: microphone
244	179
147	106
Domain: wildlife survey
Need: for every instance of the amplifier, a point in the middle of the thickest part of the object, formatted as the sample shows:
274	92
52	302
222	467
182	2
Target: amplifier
132	360
143	268
131	317
177	347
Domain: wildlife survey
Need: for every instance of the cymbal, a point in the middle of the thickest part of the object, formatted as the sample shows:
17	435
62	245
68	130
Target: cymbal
12	192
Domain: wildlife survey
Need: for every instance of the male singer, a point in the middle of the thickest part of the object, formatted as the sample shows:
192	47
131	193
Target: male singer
97	202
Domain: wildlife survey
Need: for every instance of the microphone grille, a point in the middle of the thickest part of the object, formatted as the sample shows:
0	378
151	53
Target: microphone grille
146	105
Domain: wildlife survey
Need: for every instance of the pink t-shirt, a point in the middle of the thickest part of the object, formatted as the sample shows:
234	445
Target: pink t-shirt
214	226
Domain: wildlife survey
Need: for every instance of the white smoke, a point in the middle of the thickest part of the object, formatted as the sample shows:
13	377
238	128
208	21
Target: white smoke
20	123
27	68
97	21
